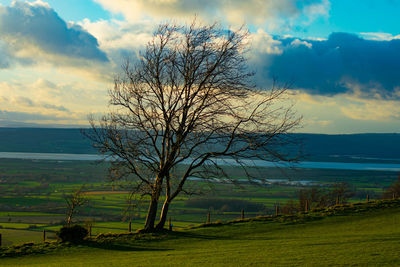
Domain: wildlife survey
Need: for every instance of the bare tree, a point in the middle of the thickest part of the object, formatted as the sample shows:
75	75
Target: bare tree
341	192
189	100
393	191
312	197
74	201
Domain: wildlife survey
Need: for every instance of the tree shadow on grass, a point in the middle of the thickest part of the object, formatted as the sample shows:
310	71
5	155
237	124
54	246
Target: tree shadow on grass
354	242
120	246
223	237
177	235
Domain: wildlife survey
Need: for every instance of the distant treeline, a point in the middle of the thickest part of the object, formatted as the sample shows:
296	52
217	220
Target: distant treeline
314	146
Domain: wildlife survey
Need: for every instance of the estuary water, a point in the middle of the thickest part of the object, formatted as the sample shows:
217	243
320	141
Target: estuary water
259	163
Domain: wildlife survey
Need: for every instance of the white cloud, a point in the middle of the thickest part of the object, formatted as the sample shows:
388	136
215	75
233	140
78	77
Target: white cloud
316	10
348	105
230	11
58	101
372	110
262	42
370	103
346	113
379	36
38	3
119	35
32	32
297	42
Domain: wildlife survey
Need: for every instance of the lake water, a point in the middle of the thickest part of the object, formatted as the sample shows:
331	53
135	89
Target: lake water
259	163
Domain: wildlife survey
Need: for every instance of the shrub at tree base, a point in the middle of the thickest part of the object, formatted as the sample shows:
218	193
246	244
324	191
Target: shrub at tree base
73	234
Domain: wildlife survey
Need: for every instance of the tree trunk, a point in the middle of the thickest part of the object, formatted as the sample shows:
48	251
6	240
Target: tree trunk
69	218
163	217
151	214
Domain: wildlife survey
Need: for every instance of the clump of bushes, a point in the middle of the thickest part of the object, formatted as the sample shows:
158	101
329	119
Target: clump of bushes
74	234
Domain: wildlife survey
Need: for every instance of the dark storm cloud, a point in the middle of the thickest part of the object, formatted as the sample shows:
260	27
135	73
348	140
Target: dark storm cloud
23	24
329	66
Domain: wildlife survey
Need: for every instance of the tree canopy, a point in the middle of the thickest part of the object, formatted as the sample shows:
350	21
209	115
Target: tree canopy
189	101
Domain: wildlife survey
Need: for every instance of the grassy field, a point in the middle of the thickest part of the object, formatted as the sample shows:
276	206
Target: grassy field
356	236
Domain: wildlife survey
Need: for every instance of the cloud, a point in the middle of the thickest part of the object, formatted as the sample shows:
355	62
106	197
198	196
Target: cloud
348	105
342	63
230	11
379	36
264	43
346	113
297	42
55	107
17	116
25	102
120	39
316	10
55	102
31	32
4	56
372	110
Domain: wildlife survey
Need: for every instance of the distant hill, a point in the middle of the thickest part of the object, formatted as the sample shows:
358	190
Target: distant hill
383	146
315	146
43	140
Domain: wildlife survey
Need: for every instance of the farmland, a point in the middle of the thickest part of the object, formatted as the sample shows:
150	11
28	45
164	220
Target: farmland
33	191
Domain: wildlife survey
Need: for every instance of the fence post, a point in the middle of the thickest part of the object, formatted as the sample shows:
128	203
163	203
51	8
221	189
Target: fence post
306	206
276	209
367	198
130	226
242	215
337	200
0	240
90	231
169	224
208	217
44	235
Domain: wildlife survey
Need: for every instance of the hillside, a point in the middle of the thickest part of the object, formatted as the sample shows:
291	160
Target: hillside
42	140
359	234
316	147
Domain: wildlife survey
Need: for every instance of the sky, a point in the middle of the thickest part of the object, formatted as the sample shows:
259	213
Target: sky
58	58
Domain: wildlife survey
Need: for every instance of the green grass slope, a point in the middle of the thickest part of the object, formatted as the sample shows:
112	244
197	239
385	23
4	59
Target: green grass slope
360	234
